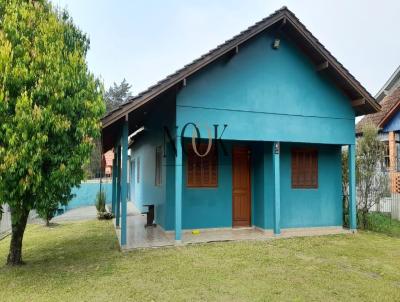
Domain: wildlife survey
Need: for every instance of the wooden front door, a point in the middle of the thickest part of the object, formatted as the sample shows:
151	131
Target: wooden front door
241	184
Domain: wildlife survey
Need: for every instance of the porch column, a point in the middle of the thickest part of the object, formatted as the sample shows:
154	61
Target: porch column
124	180
277	187
114	182
352	188
178	190
266	181
118	200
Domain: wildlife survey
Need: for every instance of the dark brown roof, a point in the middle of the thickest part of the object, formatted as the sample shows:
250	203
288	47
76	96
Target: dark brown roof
389	106
283	20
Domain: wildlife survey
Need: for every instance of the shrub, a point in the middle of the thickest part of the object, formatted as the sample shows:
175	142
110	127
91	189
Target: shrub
101	201
104	215
47	213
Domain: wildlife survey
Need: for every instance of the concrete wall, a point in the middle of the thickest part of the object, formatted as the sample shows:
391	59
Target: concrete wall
144	191
86	194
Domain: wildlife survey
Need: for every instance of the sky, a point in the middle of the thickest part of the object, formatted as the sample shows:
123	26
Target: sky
144	41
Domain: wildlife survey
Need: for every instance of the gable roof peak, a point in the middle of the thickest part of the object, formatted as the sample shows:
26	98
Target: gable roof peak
293	28
390	105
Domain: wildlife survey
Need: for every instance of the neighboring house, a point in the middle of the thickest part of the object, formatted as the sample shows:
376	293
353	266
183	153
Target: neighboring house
388	122
108	158
288	105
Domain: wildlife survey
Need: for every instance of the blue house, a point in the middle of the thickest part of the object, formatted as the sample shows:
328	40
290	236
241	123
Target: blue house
248	135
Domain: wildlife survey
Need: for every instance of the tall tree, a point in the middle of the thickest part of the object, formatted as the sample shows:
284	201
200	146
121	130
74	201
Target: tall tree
94	168
50	106
372	181
117	94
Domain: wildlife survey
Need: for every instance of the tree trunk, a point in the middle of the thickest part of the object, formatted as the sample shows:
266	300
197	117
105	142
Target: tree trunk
18	229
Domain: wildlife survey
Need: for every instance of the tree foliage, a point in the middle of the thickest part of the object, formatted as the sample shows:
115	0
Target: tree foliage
116	95
50	105
372	181
94	169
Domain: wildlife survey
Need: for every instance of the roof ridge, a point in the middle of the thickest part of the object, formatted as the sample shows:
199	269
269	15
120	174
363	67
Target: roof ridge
132	98
213	54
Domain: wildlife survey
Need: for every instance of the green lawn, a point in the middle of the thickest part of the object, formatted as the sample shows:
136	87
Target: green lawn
81	262
383	224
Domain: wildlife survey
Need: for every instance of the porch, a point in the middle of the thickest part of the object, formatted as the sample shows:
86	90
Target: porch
153	237
275	207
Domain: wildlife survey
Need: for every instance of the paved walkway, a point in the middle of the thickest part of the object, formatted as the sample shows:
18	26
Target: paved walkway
81	213
89	213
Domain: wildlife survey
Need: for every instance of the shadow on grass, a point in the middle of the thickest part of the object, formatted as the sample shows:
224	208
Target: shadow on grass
52	249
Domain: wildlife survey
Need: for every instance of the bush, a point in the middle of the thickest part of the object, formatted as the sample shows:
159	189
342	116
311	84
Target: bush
47	213
101	201
104	215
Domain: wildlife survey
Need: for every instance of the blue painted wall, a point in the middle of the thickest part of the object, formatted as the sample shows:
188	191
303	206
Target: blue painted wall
212	207
312	207
300	207
143	149
263	95
146	192
209	207
267	95
393	124
86	194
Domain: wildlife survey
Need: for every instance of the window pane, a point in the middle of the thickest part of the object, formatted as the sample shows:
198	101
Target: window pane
201	170
304	168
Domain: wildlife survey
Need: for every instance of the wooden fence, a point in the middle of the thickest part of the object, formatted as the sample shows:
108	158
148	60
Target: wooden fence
389	205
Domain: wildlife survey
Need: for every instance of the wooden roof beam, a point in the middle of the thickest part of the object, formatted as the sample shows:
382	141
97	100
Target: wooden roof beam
283	23
322	66
358	102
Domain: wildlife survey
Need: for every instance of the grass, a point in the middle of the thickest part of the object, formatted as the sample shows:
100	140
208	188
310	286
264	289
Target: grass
80	262
382	223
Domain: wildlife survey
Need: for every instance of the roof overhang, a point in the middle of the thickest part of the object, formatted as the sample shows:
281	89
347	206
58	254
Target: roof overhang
384	91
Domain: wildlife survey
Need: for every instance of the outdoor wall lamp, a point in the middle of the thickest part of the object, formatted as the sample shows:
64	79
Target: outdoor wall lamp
276	43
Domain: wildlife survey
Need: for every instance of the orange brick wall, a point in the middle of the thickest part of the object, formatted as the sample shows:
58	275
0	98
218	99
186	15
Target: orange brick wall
394	175
108	157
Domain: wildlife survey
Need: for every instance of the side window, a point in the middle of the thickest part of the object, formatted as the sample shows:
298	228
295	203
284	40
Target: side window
387	155
304	168
202	171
